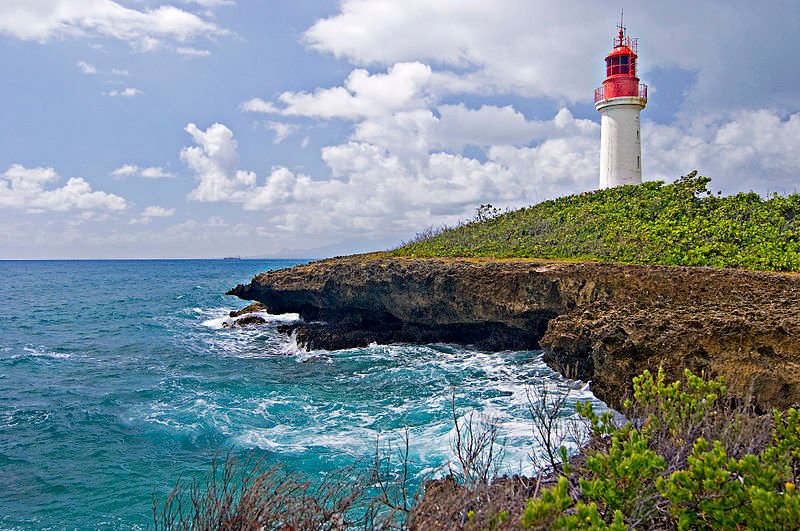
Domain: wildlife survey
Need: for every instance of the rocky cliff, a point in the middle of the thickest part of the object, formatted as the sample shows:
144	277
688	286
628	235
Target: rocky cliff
599	322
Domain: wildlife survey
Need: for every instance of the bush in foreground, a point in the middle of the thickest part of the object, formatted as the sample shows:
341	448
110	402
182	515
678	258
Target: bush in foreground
682	223
687	461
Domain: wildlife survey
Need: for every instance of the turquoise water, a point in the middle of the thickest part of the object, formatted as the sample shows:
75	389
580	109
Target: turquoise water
117	377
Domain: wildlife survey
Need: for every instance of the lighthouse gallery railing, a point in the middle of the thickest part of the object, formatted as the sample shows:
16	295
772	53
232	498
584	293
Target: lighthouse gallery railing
598	93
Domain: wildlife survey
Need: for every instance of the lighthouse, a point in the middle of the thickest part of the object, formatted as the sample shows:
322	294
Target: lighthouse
619	101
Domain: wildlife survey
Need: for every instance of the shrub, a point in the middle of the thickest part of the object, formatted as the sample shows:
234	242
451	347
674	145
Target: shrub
638	475
251	495
682	223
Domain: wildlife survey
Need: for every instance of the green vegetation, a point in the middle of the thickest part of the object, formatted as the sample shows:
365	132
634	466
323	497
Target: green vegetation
688	461
682	223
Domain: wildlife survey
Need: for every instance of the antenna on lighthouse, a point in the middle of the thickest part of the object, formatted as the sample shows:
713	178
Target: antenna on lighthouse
621	27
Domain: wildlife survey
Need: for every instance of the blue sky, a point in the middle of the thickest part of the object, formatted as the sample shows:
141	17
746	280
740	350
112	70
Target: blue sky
206	128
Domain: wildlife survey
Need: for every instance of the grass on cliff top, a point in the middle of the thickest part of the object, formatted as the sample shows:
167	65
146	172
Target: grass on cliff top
682	223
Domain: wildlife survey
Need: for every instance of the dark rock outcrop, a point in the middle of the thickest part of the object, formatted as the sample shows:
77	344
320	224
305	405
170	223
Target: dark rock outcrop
247	320
599	322
250	308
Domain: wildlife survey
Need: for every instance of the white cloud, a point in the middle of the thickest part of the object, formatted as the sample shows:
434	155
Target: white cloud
26	188
128	92
747	150
126	170
44	20
403	86
398	111
155	172
282	130
187	51
215	161
153	212
259	105
152	172
363	94
86	68
120	72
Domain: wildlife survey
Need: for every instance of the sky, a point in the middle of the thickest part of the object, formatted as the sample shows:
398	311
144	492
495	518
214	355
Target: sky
311	128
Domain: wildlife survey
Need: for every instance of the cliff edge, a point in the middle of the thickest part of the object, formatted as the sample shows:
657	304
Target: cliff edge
596	321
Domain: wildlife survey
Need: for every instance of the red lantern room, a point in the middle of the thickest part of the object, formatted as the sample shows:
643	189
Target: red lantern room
621	80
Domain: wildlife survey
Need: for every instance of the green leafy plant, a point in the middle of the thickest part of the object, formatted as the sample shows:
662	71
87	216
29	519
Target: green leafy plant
638	474
682	223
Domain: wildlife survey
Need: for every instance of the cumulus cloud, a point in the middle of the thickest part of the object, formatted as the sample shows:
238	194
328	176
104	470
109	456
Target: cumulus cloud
147	29
151	172
155	172
214	160
259	105
86	68
126	170
29	189
363	94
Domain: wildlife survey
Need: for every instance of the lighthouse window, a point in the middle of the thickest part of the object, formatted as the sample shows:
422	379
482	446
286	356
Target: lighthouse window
623	68
620	64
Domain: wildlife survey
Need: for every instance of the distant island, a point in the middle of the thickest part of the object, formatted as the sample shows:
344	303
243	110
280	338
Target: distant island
235	257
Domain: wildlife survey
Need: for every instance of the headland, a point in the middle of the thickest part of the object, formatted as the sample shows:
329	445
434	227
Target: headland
602	322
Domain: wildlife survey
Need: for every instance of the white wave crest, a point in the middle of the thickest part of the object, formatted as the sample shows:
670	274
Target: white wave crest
43	352
291	348
220	317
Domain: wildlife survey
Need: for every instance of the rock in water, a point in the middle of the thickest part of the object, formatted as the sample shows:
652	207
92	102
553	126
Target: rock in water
247	320
250	308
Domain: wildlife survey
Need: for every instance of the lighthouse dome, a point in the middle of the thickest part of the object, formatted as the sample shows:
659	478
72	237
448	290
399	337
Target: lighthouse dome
622	60
621	76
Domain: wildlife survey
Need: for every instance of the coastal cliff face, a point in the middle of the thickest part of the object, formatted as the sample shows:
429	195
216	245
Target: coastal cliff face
599	322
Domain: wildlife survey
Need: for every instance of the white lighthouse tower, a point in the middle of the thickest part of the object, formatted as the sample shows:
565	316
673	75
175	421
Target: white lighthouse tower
619	102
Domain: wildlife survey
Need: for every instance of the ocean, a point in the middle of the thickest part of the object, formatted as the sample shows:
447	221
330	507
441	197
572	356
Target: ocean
117	378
